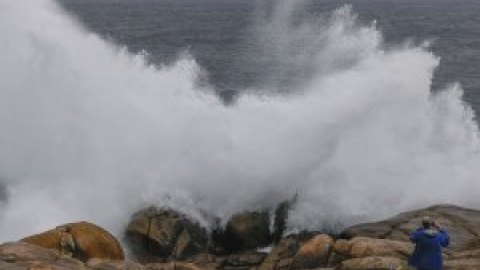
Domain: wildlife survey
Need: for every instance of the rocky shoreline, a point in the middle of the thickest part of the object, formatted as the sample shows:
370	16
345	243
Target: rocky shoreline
164	239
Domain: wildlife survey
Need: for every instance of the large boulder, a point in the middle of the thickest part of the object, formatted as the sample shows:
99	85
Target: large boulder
361	251
81	240
247	230
360	247
463	225
281	256
314	253
164	233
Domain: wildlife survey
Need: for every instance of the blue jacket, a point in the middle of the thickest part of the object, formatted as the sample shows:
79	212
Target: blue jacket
428	248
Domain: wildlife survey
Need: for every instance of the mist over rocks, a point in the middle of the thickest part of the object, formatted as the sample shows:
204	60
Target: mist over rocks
168	233
3	193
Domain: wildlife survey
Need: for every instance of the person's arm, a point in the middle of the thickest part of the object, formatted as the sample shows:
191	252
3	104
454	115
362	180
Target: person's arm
415	235
445	239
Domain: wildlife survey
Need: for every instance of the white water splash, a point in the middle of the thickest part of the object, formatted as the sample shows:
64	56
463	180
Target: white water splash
89	132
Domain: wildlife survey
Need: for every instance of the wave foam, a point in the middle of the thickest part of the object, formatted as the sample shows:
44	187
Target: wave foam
90	132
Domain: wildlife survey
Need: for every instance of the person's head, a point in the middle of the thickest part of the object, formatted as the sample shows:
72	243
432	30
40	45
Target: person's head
427	222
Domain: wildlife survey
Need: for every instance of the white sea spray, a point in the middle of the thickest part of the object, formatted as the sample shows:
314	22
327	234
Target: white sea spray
91	132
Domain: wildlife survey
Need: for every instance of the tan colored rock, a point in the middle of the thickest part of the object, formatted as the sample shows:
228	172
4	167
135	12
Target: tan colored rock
463	225
342	247
11	266
174	266
281	255
362	247
462	264
366	247
81	240
99	264
21	255
314	253
207	261
53	239
467	254
20	251
377	263
284	264
245	259
341	252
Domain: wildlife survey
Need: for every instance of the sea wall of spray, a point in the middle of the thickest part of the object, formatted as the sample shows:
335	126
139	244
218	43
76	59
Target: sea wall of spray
91	132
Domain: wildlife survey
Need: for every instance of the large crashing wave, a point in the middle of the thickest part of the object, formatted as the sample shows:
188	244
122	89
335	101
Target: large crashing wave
90	132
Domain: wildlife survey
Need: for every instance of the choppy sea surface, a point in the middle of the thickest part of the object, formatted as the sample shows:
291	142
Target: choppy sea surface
218	34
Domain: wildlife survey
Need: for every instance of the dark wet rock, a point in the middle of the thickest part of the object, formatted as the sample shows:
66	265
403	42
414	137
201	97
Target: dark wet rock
280	221
81	240
247	230
164	233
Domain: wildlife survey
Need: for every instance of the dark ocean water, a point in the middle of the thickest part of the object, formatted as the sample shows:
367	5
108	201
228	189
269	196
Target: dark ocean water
218	33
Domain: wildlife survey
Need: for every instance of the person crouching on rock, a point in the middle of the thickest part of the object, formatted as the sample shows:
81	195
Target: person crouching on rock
429	240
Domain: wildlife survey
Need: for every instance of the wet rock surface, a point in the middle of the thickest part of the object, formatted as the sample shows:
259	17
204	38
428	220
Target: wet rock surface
315	253
184	245
164	233
245	231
